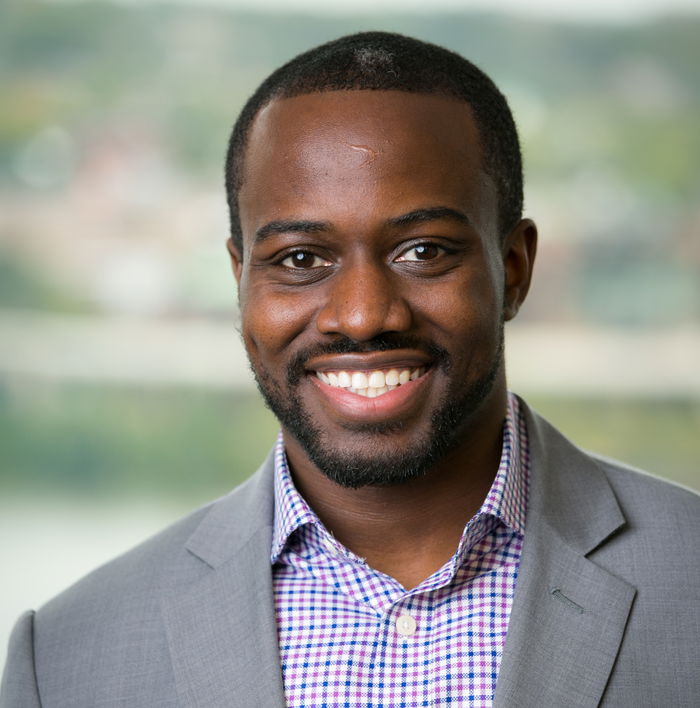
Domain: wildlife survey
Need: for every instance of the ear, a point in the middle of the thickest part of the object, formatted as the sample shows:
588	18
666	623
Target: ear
518	251
236	259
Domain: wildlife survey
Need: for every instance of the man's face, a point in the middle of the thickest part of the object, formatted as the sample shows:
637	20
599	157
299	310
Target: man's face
372	280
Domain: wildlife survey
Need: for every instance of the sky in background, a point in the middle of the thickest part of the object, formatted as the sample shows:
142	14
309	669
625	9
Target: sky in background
596	10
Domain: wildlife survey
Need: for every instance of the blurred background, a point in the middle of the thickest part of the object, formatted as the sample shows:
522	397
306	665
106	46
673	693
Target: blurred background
125	396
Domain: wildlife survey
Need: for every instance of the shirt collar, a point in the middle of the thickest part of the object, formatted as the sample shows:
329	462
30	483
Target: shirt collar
506	499
291	509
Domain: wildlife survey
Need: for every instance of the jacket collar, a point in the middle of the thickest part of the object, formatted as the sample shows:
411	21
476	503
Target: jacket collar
569	614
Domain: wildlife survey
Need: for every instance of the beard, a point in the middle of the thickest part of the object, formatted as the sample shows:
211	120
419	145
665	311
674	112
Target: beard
368	464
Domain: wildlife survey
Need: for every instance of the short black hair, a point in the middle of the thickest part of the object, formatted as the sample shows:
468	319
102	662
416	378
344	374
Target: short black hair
384	61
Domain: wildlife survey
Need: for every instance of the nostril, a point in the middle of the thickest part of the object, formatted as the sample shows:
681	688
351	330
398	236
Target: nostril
363	301
364	315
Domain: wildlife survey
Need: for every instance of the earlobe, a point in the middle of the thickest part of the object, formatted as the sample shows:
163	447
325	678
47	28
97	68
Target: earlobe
236	259
519	251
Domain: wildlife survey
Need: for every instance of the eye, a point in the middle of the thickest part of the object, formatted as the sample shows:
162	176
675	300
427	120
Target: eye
304	260
421	252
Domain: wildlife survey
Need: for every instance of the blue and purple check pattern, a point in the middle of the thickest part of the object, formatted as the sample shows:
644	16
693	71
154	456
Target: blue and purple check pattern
339	641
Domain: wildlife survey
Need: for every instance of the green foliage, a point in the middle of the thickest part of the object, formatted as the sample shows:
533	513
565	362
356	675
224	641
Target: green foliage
168	442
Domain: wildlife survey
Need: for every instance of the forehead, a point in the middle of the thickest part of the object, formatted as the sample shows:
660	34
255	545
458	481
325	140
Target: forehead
390	117
361	149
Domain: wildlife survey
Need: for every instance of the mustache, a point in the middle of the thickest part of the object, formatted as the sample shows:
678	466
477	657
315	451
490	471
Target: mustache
296	369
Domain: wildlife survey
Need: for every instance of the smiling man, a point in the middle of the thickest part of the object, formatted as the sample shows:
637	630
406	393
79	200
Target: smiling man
418	536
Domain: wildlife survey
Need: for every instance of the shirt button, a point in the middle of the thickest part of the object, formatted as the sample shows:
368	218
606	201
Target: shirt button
406	625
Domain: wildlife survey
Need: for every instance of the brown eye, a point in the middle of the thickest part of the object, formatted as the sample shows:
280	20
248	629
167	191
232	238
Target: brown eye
421	252
304	260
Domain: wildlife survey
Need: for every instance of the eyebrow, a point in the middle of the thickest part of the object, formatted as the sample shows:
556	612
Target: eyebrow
417	216
430	214
290	226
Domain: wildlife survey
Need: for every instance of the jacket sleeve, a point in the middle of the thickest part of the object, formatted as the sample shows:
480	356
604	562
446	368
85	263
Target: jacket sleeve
19	688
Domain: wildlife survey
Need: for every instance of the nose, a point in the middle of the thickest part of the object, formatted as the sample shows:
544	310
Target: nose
362	302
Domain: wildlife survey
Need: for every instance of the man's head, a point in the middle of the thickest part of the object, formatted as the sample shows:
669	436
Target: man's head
377	271
381	61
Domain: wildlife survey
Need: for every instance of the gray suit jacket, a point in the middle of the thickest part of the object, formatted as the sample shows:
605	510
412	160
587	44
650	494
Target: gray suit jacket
606	609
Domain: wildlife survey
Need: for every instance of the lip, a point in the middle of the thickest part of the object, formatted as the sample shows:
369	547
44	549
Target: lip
390	406
391	359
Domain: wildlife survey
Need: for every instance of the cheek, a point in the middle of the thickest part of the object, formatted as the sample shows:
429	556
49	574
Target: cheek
270	321
464	307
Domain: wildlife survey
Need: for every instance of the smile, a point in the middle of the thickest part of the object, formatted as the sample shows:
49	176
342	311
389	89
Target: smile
370	384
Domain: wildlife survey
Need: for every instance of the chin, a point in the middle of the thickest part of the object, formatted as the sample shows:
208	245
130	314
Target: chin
376	460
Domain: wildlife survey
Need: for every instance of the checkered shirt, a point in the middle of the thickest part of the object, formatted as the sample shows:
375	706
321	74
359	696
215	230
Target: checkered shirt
340	637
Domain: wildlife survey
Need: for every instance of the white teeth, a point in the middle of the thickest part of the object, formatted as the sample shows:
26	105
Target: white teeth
359	380
376	379
370	384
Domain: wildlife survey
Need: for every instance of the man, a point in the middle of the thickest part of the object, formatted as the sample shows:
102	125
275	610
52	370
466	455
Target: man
418	536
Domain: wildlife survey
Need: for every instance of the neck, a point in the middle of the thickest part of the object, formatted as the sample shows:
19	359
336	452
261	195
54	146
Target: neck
408	530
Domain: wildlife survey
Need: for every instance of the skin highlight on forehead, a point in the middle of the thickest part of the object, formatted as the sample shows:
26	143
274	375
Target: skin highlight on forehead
370	154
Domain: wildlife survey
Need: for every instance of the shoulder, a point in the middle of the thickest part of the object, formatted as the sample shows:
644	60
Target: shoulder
562	470
643	495
178	549
143	565
132	585
655	547
597	503
111	622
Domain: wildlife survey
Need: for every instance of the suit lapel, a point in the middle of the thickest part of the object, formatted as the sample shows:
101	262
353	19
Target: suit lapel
569	614
567	622
219	608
